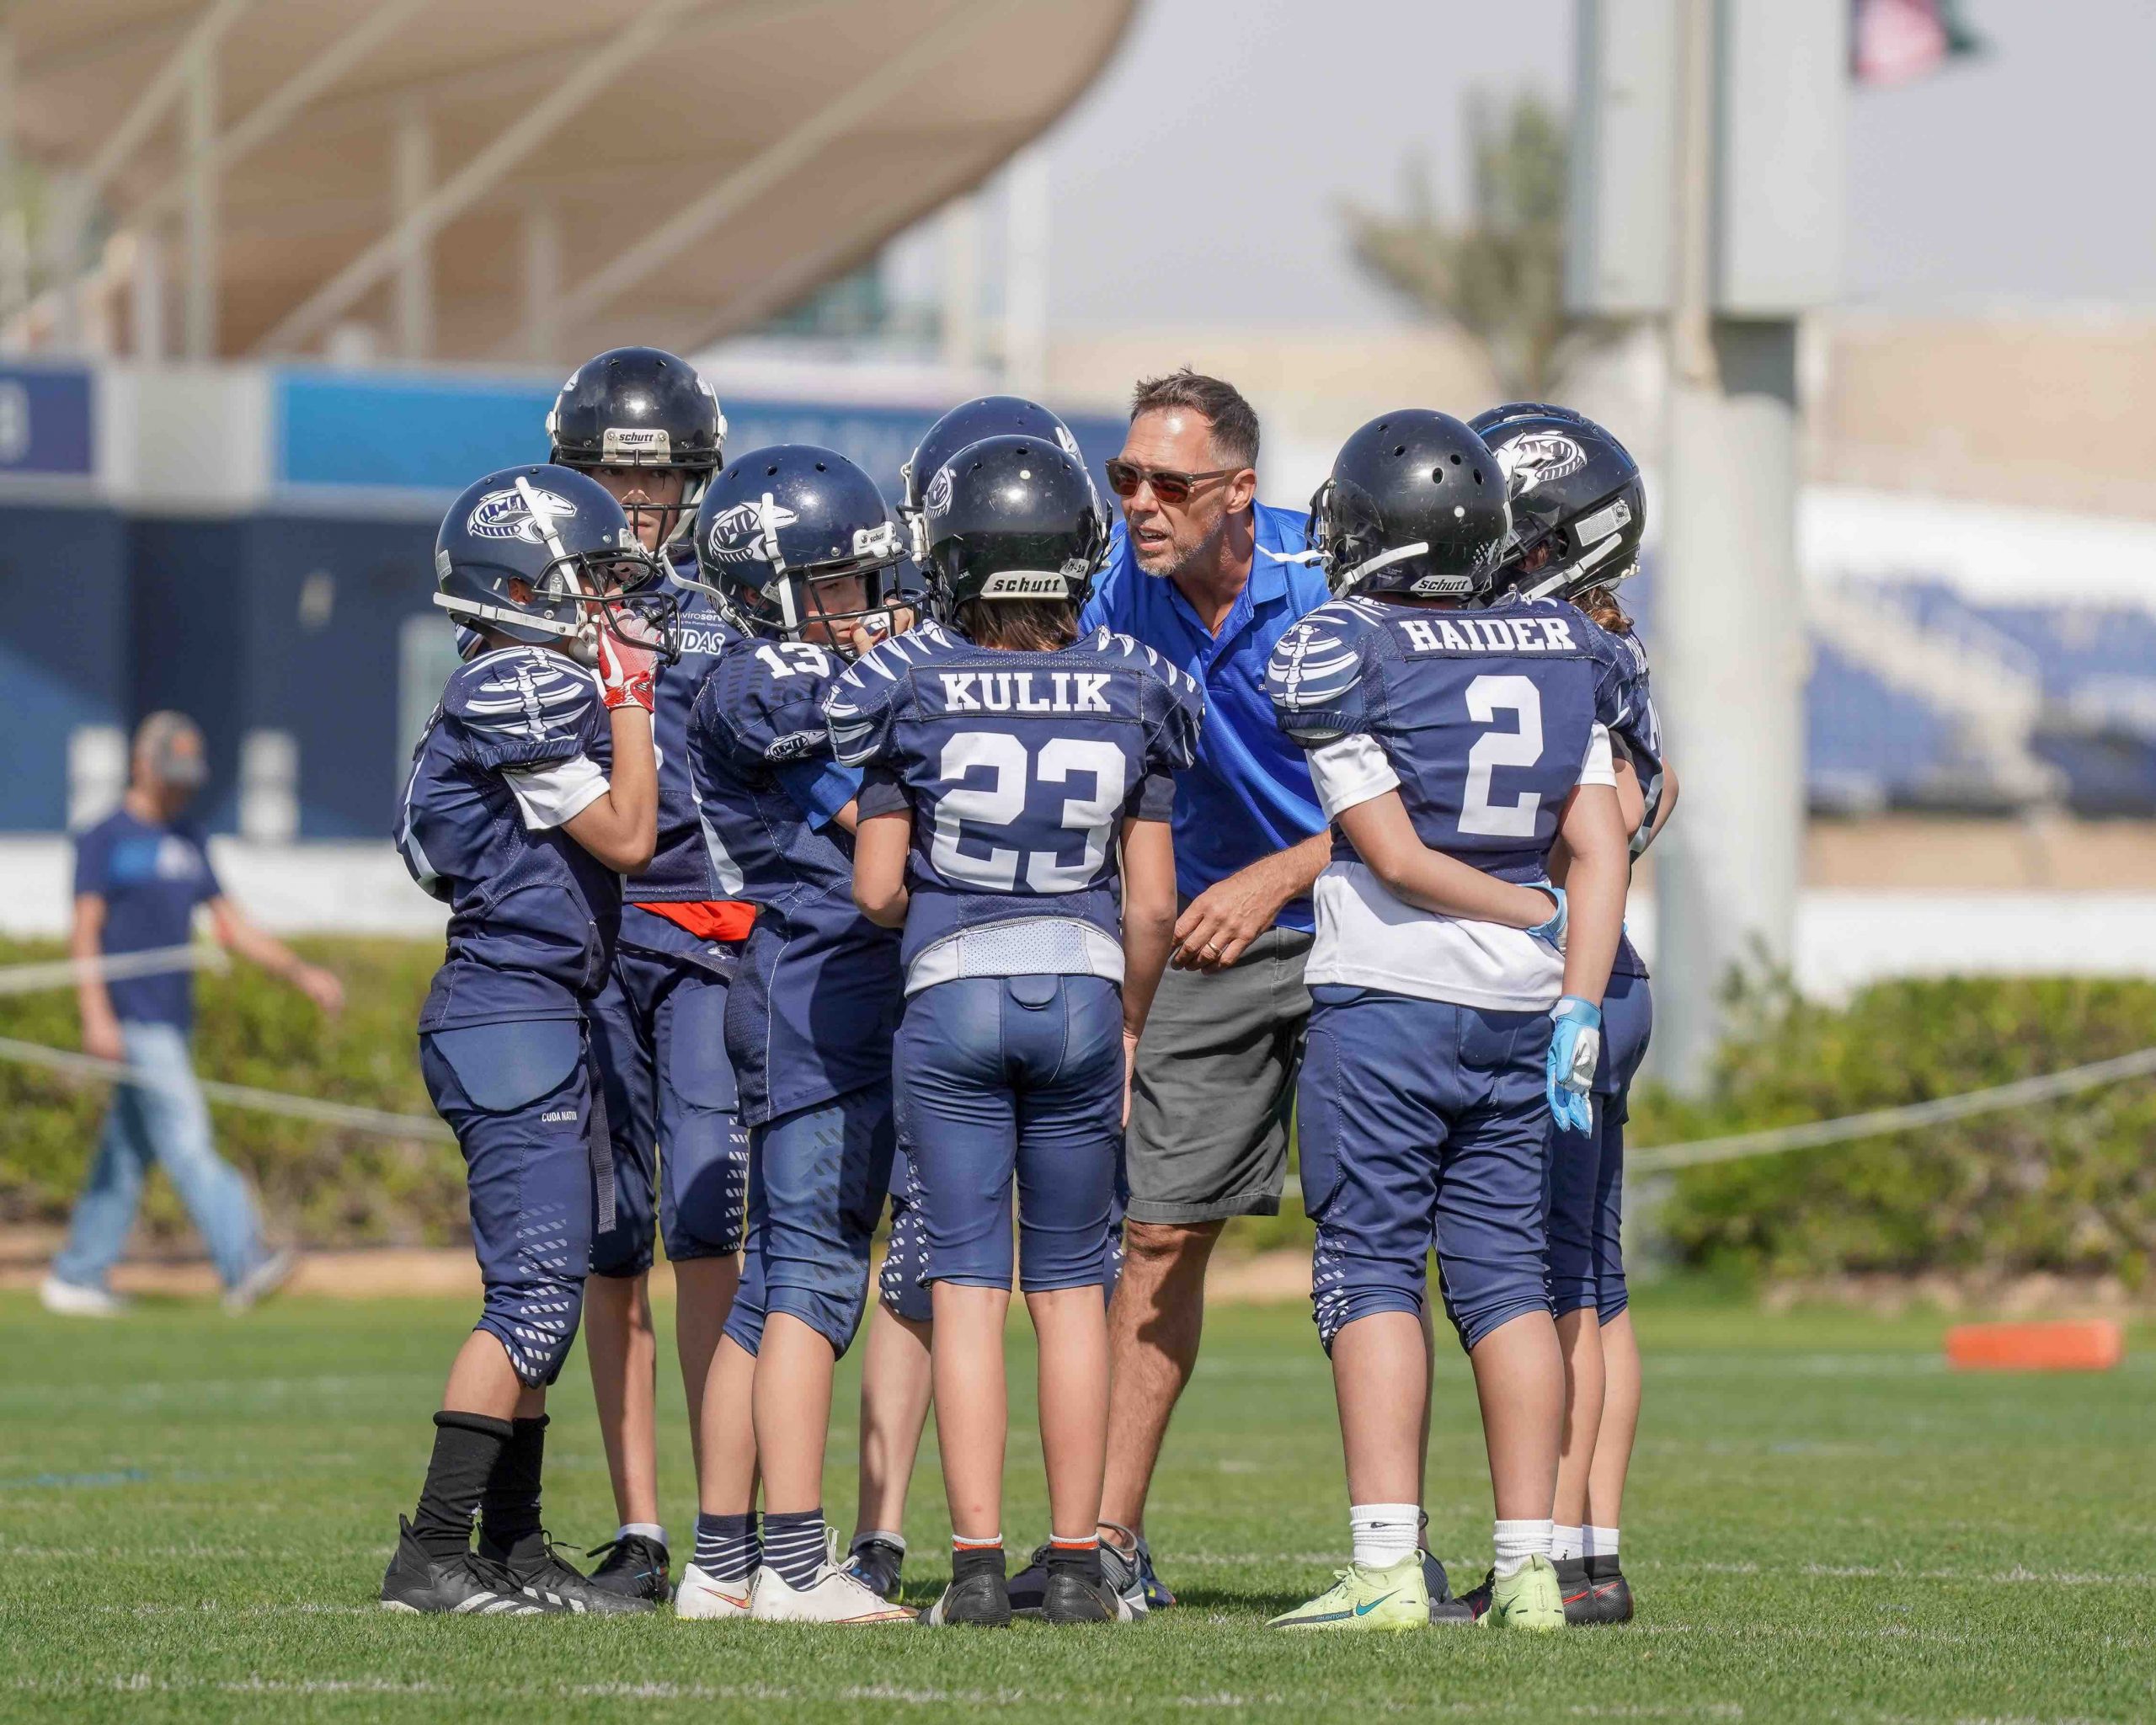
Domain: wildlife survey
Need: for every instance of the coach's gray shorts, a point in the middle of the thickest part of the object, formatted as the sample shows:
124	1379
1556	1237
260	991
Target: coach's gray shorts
1215	1085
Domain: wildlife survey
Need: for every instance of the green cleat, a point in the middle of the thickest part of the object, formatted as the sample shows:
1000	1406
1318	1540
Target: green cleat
1529	1598
1369	1599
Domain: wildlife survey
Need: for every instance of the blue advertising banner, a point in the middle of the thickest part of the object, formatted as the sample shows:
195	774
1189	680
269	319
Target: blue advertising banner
47	421
435	435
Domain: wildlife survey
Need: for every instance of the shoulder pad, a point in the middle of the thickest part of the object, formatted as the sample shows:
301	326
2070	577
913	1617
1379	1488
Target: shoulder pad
521	691
1320	659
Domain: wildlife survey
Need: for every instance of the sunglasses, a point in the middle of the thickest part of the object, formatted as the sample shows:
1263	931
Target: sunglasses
1169	486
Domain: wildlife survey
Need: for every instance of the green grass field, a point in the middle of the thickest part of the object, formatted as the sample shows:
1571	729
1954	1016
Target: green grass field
195	1513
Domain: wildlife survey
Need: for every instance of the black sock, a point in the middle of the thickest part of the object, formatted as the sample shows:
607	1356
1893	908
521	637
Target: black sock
976	1560
1079	1557
467	1447
1602	1568
508	1513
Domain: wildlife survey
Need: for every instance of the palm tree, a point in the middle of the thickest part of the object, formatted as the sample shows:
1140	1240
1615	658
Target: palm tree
1499	275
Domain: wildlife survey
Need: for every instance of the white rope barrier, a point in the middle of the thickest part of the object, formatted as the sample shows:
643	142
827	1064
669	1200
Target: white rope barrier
64	972
378	1122
1812	1135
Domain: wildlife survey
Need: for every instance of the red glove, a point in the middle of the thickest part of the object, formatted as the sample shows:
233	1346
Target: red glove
627	672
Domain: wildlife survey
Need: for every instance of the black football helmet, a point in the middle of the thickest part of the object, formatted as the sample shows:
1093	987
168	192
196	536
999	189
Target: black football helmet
544	555
969	422
779	522
1414	506
1011	518
639	406
1574	489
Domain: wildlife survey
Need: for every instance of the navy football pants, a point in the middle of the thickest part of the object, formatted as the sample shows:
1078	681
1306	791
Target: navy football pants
680	1152
518	1097
1422	1124
1586	1188
1014	1080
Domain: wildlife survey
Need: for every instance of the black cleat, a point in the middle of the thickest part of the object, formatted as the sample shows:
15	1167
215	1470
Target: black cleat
1476	1598
1609	1594
1443	1607
982	1601
875	1564
634	1567
461	1586
1130	1578
1071	1597
554	1585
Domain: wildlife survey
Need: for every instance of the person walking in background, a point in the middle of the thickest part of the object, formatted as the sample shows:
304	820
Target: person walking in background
140	874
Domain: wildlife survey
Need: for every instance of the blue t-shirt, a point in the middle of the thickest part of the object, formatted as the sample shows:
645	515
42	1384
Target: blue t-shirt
1248	794
150	879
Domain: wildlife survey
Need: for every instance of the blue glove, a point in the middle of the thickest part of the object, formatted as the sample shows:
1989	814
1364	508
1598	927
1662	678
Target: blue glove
1575	1044
1552	932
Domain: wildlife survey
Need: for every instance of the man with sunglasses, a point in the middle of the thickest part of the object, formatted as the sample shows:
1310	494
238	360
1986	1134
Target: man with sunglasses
1210	578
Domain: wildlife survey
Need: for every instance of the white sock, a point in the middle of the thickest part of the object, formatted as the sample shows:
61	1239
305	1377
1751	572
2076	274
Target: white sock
1516	1541
1384	1533
1566	1542
641	1530
1601	1542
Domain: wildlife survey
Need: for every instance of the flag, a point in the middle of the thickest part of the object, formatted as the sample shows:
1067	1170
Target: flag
1898	41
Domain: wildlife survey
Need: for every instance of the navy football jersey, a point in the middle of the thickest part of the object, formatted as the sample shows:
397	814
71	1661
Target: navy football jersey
817	999
1640	730
680	870
1020	769
533	915
1485	716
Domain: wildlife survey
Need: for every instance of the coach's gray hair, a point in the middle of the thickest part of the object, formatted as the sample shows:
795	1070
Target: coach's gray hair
1233	419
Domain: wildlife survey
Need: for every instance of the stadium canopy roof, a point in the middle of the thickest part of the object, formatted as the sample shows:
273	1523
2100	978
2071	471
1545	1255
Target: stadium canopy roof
498	180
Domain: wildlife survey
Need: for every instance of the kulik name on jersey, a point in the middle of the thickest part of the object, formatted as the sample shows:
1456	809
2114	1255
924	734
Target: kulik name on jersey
1015	691
1488	634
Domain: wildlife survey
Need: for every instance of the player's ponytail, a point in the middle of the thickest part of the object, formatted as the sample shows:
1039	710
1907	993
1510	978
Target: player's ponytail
1601	605
1018	625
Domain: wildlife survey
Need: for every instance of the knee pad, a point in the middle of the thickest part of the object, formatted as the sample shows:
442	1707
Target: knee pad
1481	1296
534	1322
833	1314
903	1286
1345	1287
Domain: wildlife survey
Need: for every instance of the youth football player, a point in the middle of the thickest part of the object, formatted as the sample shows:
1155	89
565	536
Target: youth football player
1021	780
795	545
533	790
1440	1048
1579	510
648	429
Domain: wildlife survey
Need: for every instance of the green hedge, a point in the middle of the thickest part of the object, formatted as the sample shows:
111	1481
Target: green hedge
2068	1187
325	1185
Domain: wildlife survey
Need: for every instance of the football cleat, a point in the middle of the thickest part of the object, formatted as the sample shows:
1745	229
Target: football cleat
555	1585
834	1596
1528	1598
1129	1574
1151	1589
461	1586
632	1565
1072	1598
980	1601
707	1598
875	1564
1390	1598
1609	1594
1443	1607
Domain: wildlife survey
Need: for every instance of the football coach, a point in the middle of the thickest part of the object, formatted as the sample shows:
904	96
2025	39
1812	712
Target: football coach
1204	574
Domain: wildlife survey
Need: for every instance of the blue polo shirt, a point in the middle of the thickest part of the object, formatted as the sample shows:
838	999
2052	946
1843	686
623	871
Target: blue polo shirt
150	879
1249	794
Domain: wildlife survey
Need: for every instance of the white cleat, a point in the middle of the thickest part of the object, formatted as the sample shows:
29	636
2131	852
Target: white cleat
76	1299
832	1597
700	1596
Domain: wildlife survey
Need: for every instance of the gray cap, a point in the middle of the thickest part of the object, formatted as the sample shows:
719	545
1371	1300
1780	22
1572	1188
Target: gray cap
169	745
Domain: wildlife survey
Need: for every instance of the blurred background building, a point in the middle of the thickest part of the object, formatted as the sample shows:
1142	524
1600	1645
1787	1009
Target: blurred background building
276	280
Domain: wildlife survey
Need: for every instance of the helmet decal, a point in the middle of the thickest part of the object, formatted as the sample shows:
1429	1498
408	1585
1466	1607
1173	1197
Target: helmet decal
628	446
938	499
738	534
881	540
1539	458
506	515
1069	443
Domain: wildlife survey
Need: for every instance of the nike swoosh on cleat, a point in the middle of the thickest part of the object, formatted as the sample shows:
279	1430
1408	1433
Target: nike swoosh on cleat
1365	1611
1574	1599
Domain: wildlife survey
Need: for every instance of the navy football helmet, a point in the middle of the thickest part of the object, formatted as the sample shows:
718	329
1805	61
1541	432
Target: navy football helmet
641	406
543	555
1011	518
1575	490
968	423
1416	506
780	524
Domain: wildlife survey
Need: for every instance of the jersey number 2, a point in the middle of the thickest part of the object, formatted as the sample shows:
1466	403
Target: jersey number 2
1486	697
1002	803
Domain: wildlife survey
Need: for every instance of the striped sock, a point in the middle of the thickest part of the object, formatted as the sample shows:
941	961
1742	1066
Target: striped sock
727	1546
794	1544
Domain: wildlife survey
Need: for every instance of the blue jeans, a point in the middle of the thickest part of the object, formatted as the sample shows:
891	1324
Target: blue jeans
159	1119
